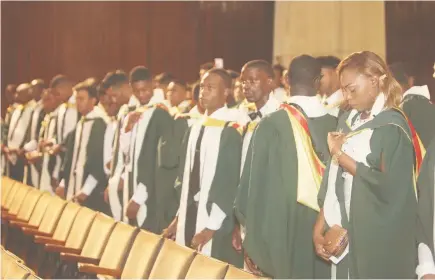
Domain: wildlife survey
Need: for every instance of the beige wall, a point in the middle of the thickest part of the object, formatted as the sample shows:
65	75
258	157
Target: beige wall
328	28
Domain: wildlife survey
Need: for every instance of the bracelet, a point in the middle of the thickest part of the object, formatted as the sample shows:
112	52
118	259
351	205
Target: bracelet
336	156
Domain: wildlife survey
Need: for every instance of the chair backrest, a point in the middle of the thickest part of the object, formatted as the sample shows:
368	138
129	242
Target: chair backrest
66	221
29	204
204	267
235	273
80	228
19	197
17	271
7	185
11	195
40	208
172	262
118	246
100	231
142	256
52	215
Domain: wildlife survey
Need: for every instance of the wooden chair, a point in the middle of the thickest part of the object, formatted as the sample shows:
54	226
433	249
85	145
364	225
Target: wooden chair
235	273
46	228
204	267
172	262
141	258
26	217
115	253
16	201
26	207
7	185
92	250
61	230
74	242
10	196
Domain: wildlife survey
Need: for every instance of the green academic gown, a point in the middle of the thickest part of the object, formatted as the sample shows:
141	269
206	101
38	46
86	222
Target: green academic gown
426	185
278	229
148	171
93	165
222	192
383	209
422	114
168	163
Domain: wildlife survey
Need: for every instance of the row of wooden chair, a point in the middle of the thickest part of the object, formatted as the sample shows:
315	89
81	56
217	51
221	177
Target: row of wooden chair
60	239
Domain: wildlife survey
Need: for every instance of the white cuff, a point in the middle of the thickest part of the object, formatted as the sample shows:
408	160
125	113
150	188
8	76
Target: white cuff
217	217
425	261
31	146
89	185
62	183
140	194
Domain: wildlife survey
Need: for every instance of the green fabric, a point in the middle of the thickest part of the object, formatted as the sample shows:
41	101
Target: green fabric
426	185
383	208
147	170
421	113
278	229
223	191
169	162
94	166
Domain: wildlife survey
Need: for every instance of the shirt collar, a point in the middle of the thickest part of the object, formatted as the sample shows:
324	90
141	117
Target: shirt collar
72	99
335	99
133	101
271	105
225	114
311	105
418	90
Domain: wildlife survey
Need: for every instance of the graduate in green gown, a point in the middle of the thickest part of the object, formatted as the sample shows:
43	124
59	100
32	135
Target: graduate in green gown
426	213
84	159
118	91
140	138
368	187
416	103
279	183
209	175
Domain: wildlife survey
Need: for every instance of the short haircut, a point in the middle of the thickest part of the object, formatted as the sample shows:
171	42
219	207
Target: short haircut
164	78
328	61
195	92
206	66
115	79
58	80
92	80
233	74
261	65
180	83
140	73
223	74
304	70
90	87
401	72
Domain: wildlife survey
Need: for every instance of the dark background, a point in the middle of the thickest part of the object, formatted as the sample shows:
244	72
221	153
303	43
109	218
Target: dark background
83	39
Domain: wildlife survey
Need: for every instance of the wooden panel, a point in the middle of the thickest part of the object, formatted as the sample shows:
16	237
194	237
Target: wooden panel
410	37
83	39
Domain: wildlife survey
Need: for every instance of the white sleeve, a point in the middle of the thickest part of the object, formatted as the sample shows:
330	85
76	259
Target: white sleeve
217	217
31	146
89	185
140	194
426	263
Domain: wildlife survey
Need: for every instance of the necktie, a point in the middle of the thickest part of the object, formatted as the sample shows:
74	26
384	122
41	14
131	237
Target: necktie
194	187
256	114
